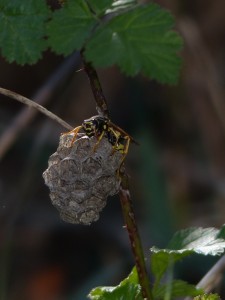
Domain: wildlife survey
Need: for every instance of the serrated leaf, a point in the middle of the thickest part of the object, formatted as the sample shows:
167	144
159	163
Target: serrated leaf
207	297
70	26
22	30
129	288
177	288
161	259
140	40
204	241
200	240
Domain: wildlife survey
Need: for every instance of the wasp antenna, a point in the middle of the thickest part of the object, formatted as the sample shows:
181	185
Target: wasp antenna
135	142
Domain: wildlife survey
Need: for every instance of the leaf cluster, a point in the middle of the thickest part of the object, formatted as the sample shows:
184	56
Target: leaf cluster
204	241
137	38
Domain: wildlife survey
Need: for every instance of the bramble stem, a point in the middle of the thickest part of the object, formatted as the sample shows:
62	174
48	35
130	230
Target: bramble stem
125	199
131	226
100	99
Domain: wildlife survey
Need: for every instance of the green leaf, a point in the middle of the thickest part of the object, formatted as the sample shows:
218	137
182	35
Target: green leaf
200	240
207	297
22	30
176	288
129	288
205	241
70	27
140	40
221	233
100	7
161	259
121	5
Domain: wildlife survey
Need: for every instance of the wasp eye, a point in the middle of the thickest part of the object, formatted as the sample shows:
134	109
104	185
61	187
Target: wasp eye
86	125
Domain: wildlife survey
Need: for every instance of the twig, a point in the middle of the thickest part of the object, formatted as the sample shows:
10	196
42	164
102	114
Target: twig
35	105
131	226
100	99
125	199
212	278
42	96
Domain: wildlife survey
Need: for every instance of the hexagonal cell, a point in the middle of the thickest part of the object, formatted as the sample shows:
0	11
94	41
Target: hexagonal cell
51	174
65	141
59	201
79	190
95	203
88	217
78	215
53	159
69	169
105	186
83	148
91	167
113	162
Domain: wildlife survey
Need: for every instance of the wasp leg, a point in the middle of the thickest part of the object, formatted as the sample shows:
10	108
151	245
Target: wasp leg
75	132
116	146
113	150
125	150
98	141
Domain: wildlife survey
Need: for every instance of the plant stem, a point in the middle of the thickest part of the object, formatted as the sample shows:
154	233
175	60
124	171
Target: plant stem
34	105
125	199
213	277
131	226
100	99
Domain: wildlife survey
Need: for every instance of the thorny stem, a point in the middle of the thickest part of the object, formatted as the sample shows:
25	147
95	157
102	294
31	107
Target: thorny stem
125	199
131	226
100	99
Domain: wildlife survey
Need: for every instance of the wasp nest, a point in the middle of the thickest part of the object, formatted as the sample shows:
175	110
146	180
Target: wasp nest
80	179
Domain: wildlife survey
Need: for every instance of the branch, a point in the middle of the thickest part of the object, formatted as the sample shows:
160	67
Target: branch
131	226
42	96
211	280
100	99
125	199
35	105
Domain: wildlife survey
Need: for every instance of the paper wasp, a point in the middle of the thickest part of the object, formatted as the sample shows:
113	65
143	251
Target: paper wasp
102	127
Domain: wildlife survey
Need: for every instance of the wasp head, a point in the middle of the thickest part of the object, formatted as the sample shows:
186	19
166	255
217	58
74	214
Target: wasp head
95	126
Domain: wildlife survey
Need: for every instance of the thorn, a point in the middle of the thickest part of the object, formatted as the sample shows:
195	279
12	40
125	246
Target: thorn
82	69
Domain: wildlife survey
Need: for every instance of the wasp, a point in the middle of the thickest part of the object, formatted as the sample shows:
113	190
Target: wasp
100	127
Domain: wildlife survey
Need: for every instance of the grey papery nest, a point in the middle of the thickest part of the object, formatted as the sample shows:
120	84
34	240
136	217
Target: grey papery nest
80	179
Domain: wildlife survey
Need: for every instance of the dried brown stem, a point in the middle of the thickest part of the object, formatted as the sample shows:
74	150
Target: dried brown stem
42	96
35	105
212	279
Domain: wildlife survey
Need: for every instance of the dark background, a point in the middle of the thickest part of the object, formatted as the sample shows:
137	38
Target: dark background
176	174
